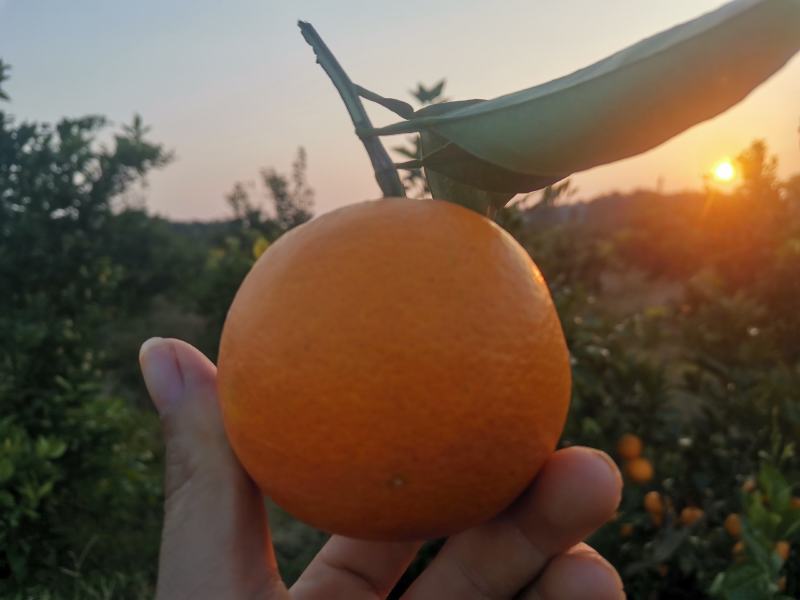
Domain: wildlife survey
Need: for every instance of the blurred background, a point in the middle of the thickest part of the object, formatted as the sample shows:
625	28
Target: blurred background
151	151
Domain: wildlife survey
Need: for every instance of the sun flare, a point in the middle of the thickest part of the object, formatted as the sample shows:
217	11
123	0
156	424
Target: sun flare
725	171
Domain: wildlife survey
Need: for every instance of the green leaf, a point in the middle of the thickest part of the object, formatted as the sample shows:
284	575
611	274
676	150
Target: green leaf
6	470
447	188
628	103
775	487
50	448
460	177
445	157
6	499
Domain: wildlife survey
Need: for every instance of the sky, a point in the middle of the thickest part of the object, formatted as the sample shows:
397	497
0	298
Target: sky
231	87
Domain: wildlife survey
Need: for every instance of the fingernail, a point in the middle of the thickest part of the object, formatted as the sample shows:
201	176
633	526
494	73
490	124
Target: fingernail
612	466
609	462
161	372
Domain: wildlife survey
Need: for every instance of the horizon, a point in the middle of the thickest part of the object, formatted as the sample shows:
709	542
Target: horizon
232	90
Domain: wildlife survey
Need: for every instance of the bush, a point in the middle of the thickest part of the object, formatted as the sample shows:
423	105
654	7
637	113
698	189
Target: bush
79	476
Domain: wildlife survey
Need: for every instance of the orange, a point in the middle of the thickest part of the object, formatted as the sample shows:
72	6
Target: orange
629	446
691	515
733	525
738	552
626	530
653	503
394	370
782	549
639	470
795	502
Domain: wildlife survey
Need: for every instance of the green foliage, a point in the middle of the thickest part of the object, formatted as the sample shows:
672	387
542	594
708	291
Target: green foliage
3	77
247	236
769	520
708	378
79	477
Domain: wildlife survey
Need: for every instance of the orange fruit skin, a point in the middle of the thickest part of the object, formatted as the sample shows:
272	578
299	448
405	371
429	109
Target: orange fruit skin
639	470
629	446
733	525
691	515
782	549
394	370
653	503
738	552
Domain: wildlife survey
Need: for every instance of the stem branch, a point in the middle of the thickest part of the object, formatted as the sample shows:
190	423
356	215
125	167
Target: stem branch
385	172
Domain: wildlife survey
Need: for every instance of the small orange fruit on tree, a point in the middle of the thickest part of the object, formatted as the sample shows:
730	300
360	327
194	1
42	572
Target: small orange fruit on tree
733	525
653	503
629	446
691	515
738	552
639	470
782	549
749	485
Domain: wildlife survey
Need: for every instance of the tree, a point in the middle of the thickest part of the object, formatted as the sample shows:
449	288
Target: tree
78	486
292	200
249	234
3	77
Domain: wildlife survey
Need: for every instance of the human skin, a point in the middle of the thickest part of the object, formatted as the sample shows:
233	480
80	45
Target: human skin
216	542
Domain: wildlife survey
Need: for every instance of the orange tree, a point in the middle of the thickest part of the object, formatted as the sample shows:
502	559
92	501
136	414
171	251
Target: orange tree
709	383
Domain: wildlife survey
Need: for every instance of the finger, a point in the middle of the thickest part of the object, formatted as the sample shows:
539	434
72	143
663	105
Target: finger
215	540
577	490
579	574
354	570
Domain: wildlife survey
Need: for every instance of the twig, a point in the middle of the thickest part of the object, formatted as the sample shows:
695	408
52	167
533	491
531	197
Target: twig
385	172
398	107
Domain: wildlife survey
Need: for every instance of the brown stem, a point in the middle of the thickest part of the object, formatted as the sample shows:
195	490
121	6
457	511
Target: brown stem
385	171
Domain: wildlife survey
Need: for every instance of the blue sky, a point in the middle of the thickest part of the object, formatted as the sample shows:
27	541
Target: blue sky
231	86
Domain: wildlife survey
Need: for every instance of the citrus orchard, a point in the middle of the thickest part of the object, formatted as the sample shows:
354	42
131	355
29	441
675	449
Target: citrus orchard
394	370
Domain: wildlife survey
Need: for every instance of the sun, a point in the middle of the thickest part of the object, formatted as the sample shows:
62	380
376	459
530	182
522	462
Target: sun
725	171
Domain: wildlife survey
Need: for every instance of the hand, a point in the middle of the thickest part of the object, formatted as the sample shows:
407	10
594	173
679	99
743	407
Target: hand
216	542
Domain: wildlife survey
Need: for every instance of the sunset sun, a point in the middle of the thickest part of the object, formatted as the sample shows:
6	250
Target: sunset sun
724	171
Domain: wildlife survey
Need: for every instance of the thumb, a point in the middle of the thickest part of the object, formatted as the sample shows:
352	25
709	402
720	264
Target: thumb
182	384
215	535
